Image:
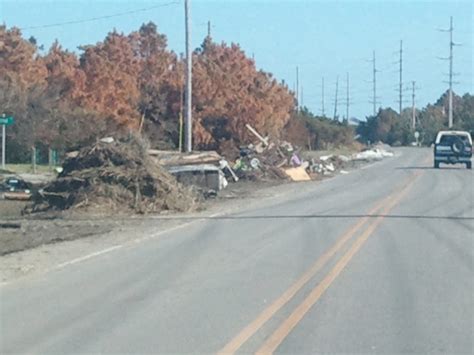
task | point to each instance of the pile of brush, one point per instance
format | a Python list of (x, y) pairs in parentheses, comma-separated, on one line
[(118, 176)]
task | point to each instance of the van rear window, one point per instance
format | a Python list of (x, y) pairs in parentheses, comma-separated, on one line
[(449, 139)]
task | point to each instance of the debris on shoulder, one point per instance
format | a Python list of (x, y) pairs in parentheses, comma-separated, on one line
[(115, 176)]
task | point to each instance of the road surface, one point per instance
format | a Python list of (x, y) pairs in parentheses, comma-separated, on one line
[(376, 261)]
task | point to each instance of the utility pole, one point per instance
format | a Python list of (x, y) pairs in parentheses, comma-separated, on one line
[(302, 97), (413, 109), (451, 74), (400, 90), (297, 90), (451, 45), (188, 92), (4, 145), (335, 101), (208, 29), (181, 105), (374, 84), (322, 100), (347, 97)]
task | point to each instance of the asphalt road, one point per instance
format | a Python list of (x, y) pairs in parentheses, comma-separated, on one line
[(376, 261)]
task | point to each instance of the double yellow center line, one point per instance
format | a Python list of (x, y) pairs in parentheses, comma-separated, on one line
[(271, 344)]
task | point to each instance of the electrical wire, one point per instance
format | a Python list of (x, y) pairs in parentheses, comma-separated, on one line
[(74, 22)]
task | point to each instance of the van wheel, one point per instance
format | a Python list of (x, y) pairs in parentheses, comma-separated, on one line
[(436, 164), (469, 165)]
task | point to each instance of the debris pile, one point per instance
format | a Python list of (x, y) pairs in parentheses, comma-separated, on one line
[(259, 162), (269, 160), (115, 176), (205, 171), (373, 154), (279, 160), (328, 164)]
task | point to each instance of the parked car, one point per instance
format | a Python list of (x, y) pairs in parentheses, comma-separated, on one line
[(13, 188), (453, 147)]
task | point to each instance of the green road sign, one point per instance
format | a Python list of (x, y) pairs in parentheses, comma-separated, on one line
[(7, 121)]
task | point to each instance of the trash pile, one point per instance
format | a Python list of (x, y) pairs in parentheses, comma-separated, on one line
[(268, 160), (328, 164), (259, 162), (115, 176), (279, 160), (264, 160), (206, 171)]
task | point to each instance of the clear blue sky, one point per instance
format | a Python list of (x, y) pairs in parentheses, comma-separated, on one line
[(323, 38)]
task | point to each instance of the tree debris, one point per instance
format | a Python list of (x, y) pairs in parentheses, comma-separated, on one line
[(116, 176)]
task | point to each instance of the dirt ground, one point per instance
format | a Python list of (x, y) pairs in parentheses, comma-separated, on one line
[(19, 232), (39, 242), (36, 248), (30, 231), (33, 233), (11, 209)]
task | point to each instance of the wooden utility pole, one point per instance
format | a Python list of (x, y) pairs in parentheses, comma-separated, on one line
[(347, 97), (188, 92), (181, 106), (322, 100), (451, 74), (4, 144), (297, 90), (451, 45), (302, 96), (335, 101), (374, 84), (413, 109), (208, 29), (400, 84)]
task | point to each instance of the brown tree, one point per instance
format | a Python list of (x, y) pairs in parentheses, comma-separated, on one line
[(229, 92), (111, 79), (160, 80), (19, 59), (64, 74)]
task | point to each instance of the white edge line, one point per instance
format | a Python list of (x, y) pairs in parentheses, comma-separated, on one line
[(108, 250), (136, 240), (82, 258)]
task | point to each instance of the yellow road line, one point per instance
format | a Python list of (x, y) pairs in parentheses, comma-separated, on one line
[(287, 326), (267, 313)]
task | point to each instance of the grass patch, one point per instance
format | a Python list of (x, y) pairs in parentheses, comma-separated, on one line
[(27, 168)]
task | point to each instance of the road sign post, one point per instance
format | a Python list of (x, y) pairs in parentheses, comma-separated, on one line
[(5, 121), (417, 136), (4, 138)]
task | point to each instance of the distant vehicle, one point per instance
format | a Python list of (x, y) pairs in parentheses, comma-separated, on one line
[(453, 147)]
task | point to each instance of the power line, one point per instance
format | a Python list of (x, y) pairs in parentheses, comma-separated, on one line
[(92, 19)]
